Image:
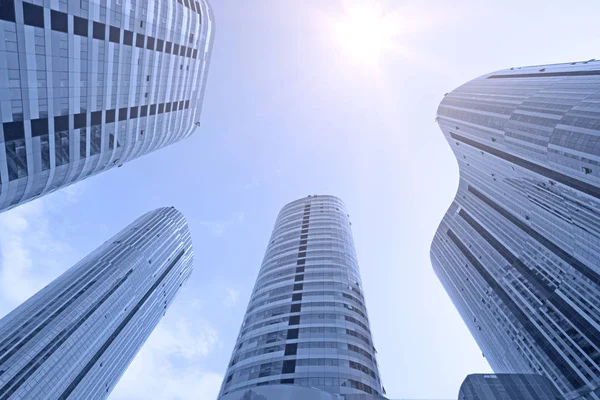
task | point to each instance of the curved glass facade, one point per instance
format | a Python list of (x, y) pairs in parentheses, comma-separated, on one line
[(518, 251), (90, 85), (77, 336), (306, 323)]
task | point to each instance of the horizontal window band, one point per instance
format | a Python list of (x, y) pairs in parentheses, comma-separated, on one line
[(545, 74)]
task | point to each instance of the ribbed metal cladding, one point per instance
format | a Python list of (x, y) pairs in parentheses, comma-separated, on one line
[(89, 85), (518, 251), (306, 323), (75, 338)]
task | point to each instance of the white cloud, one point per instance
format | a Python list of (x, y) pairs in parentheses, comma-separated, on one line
[(31, 255), (231, 297), (168, 367)]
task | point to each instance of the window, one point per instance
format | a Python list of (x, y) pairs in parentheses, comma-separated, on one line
[(122, 114), (127, 37), (114, 34), (291, 349), (182, 51), (299, 278), (153, 109), (61, 146), (189, 52), (7, 10), (96, 118), (292, 333), (161, 108), (80, 26), (299, 269), (99, 30), (79, 121), (174, 106), (175, 49), (195, 53), (32, 15), (289, 367), (159, 44), (13, 131), (168, 47), (150, 43), (187, 105), (133, 112), (168, 107), (587, 170), (39, 127), (139, 41), (297, 297), (110, 116), (295, 308), (143, 111), (60, 124), (59, 21), (298, 286)]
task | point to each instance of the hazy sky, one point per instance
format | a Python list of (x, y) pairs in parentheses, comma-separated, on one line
[(290, 110)]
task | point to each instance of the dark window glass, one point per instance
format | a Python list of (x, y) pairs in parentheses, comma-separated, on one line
[(168, 47), (80, 26), (298, 286), (193, 7), (161, 108), (82, 144), (175, 49), (16, 159), (181, 105), (168, 107), (139, 41), (187, 104), (150, 43), (127, 37), (7, 10), (133, 112), (186, 3), (182, 51), (153, 109), (289, 367), (189, 52), (294, 320), (144, 111), (195, 54), (292, 333), (159, 44), (174, 107), (299, 269), (297, 297), (287, 381), (13, 131), (299, 278), (39, 127), (95, 140), (110, 116), (301, 262), (33, 15), (122, 114), (79, 121), (295, 308), (303, 254), (114, 34), (99, 30), (291, 349), (59, 21), (61, 123), (61, 145), (96, 118)]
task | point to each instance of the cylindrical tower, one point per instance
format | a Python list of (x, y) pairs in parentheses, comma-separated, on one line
[(76, 337), (306, 323)]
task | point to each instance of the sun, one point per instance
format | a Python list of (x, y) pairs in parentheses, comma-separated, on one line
[(366, 32)]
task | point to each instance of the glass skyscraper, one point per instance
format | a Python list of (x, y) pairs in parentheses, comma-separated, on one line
[(519, 249), (508, 387), (86, 86), (75, 337), (306, 325)]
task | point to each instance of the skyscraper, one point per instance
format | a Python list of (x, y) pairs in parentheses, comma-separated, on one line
[(306, 324), (508, 387), (86, 86), (519, 249), (75, 337)]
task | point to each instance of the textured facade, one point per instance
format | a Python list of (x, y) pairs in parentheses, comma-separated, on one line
[(306, 323), (75, 337), (89, 85), (519, 249), (508, 387)]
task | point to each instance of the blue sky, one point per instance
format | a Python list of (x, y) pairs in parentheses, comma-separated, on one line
[(290, 112)]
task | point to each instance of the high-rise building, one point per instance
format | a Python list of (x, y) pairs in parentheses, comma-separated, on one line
[(75, 337), (519, 249), (306, 324), (508, 387), (86, 86)]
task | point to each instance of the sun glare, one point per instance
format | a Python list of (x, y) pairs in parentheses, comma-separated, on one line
[(366, 32)]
